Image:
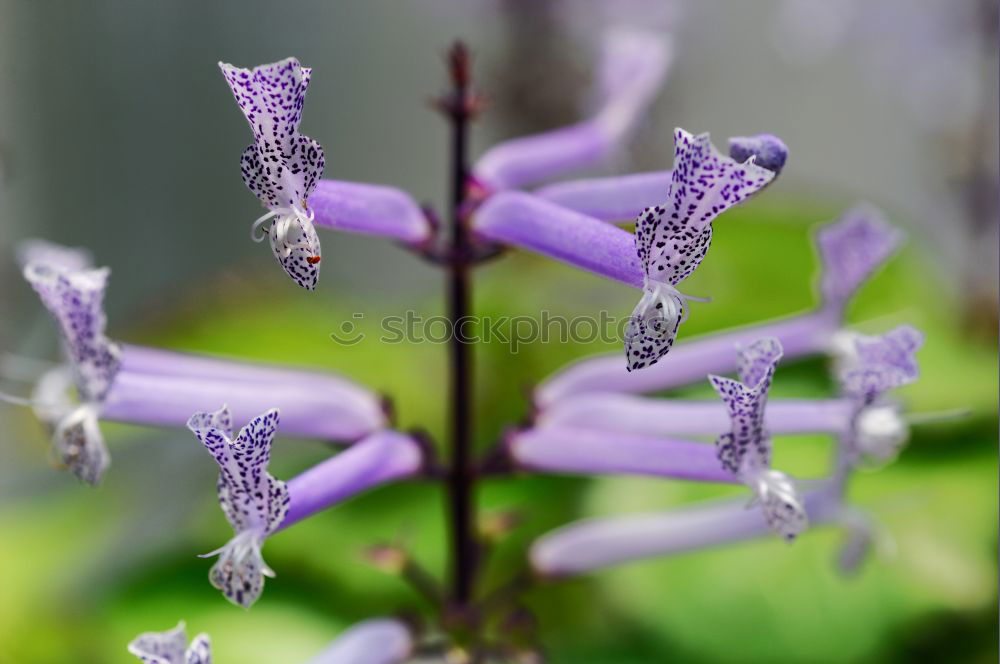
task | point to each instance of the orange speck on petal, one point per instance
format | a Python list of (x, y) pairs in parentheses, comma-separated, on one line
[(312, 260)]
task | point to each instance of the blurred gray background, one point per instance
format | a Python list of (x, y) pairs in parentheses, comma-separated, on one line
[(118, 133)]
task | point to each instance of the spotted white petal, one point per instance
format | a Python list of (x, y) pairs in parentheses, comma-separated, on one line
[(255, 502), (652, 327), (168, 647), (672, 239), (295, 245), (779, 501), (747, 445), (200, 650), (78, 445), (76, 300), (160, 647), (240, 570)]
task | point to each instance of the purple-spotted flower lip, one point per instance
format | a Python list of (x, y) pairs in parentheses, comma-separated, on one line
[(254, 502), (673, 238), (868, 367), (851, 249), (73, 292), (282, 166), (171, 647), (745, 451)]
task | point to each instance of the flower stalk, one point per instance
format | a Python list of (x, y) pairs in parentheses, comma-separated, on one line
[(458, 106)]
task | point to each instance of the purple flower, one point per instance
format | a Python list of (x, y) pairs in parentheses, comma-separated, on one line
[(373, 641), (672, 239), (254, 502), (171, 647), (157, 387), (745, 451), (624, 197), (634, 64), (74, 295), (868, 367), (851, 249), (281, 167)]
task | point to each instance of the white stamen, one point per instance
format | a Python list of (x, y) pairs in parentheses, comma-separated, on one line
[(671, 298), (283, 224), (17, 401), (260, 222)]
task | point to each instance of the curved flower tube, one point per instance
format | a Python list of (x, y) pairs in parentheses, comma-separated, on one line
[(851, 250), (379, 458), (634, 65), (617, 198), (369, 209), (594, 544), (522, 220), (374, 641), (311, 407), (281, 167), (585, 452), (624, 197), (625, 413), (171, 647)]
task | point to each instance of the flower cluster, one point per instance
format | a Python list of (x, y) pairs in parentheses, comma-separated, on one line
[(589, 417)]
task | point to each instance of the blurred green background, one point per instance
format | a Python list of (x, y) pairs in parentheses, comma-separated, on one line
[(83, 571)]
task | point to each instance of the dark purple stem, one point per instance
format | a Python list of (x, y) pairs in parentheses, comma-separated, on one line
[(461, 475)]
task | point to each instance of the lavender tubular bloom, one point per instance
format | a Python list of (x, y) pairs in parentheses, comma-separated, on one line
[(612, 198), (624, 197), (851, 249), (253, 500), (310, 406), (374, 641), (672, 417), (379, 458), (582, 451), (745, 450), (369, 209), (593, 544), (526, 221), (281, 167), (689, 361), (634, 64)]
